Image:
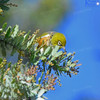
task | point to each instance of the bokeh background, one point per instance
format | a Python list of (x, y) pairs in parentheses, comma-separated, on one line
[(79, 20)]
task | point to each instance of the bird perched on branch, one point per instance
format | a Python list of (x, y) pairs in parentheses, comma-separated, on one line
[(52, 38)]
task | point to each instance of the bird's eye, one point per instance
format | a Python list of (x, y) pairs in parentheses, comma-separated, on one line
[(59, 43)]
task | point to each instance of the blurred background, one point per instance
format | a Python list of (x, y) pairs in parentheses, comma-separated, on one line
[(36, 14), (79, 21)]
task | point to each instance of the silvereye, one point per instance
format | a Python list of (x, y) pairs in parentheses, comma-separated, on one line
[(53, 38)]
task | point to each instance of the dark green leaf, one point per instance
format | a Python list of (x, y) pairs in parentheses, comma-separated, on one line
[(9, 64), (31, 41), (1, 60), (13, 51), (64, 63), (3, 49), (40, 78), (4, 7), (20, 40), (23, 47), (4, 1), (4, 26), (8, 32), (26, 36)]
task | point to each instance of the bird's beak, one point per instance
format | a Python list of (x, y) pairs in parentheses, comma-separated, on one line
[(64, 48)]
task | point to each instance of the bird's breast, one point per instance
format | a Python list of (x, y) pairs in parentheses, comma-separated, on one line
[(44, 40)]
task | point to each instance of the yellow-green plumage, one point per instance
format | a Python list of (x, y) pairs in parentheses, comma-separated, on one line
[(58, 39), (54, 38)]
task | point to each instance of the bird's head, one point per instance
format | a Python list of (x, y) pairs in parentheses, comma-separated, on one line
[(55, 39), (59, 40)]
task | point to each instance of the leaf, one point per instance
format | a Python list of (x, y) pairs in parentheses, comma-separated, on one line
[(8, 47), (1, 30), (25, 83), (1, 60), (69, 63), (8, 32), (54, 51), (53, 58), (28, 78), (9, 65), (13, 51), (58, 54), (4, 7), (41, 92), (67, 68), (4, 26), (34, 47), (43, 58), (4, 1), (3, 50), (44, 97), (26, 36), (40, 78), (40, 98), (15, 32), (47, 50), (64, 63), (69, 54), (15, 41), (19, 40), (36, 62), (35, 90), (73, 65), (30, 42), (5, 96), (23, 47)]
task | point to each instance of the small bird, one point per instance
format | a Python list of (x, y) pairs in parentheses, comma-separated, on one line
[(52, 38)]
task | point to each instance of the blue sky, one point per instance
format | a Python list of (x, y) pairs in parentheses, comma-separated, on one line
[(82, 30)]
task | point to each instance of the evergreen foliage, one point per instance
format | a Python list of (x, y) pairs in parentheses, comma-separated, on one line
[(41, 70), (20, 80), (4, 5)]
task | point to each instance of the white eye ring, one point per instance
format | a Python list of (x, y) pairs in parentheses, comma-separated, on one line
[(59, 43)]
